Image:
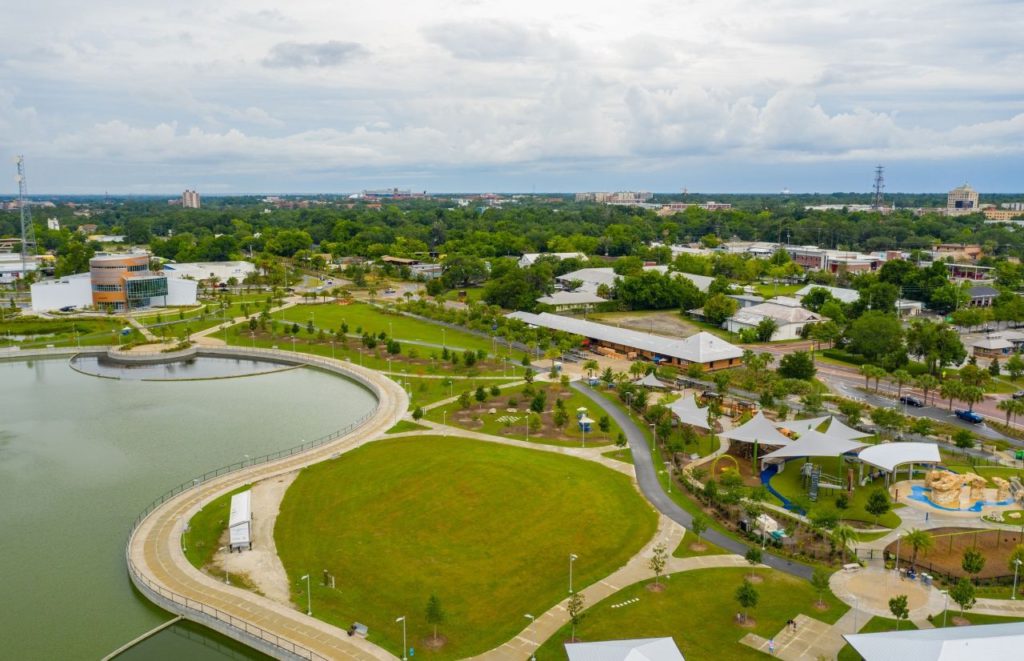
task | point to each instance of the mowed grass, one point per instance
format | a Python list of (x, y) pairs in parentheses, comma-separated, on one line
[(487, 528), (697, 609), (202, 539), (789, 483), (375, 320), (38, 333)]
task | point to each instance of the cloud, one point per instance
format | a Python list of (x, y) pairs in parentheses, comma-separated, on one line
[(290, 54), (493, 41)]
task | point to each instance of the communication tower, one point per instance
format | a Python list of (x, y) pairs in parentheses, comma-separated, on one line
[(876, 202), (28, 232)]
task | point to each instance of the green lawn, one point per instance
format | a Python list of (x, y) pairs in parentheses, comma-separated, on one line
[(624, 455), (684, 550), (973, 618), (37, 333), (473, 295), (375, 320), (487, 528), (478, 417), (404, 426), (697, 609), (988, 472), (202, 539), (874, 625), (789, 484), (773, 290)]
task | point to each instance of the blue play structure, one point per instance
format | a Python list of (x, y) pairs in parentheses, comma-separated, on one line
[(766, 476)]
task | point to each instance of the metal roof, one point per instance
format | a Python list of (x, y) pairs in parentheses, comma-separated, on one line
[(642, 649), (988, 641)]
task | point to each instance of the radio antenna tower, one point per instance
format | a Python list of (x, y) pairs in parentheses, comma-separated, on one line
[(876, 202), (28, 232)]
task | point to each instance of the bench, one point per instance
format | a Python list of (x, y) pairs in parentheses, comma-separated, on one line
[(851, 566), (358, 629)]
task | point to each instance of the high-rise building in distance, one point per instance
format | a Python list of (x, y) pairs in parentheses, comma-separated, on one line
[(190, 199), (961, 200)]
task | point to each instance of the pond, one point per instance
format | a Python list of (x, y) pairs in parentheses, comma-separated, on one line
[(81, 456), (205, 367)]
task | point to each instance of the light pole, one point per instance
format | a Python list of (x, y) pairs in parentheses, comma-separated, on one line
[(668, 472), (444, 337), (404, 644), (309, 598), (532, 619), (572, 558), (945, 608), (898, 540), (1016, 568)]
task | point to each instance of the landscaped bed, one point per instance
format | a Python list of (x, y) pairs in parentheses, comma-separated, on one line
[(950, 543), (698, 610), (487, 528)]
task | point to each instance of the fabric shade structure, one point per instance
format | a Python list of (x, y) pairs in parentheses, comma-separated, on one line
[(758, 429), (690, 413), (837, 429), (888, 456), (815, 444), (802, 426), (651, 381)]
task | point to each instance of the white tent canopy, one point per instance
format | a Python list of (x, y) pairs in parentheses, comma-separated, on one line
[(815, 444), (758, 429), (240, 521), (988, 641), (888, 456), (802, 426), (651, 381), (837, 429), (689, 412)]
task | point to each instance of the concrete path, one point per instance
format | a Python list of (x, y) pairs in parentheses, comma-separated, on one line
[(159, 568), (812, 639), (206, 337), (651, 488)]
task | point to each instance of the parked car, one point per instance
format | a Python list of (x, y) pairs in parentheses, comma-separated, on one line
[(71, 308), (910, 400), (1019, 394), (968, 416)]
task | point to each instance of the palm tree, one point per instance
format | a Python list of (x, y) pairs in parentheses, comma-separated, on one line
[(876, 373), (842, 535), (901, 377), (972, 395), (919, 540), (637, 369), (1009, 407), (927, 383), (866, 370), (950, 390), (591, 366)]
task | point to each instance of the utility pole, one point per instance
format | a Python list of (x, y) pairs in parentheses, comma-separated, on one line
[(28, 232)]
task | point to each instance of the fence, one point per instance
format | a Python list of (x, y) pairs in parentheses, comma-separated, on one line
[(215, 618)]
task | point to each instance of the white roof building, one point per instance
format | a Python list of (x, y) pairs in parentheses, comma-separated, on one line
[(561, 300), (204, 270), (240, 521), (789, 319), (988, 641), (888, 456), (702, 348), (642, 649), (841, 294)]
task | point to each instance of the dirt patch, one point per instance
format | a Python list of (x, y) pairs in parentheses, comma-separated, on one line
[(655, 587), (961, 621), (950, 543), (821, 607), (697, 547), (261, 567), (747, 623), (435, 642), (660, 323), (755, 578)]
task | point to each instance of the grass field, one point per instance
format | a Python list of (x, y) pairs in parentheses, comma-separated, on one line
[(478, 417), (375, 320), (169, 323), (487, 528), (789, 484), (404, 426), (772, 290), (36, 333), (684, 550), (973, 618), (988, 472), (697, 609), (624, 455), (875, 625)]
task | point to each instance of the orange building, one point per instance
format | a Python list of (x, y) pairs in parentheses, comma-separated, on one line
[(124, 282)]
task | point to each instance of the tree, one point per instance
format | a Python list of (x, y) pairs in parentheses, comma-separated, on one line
[(820, 582), (852, 410), (901, 377), (972, 562), (464, 400), (604, 424), (927, 383), (719, 307), (875, 335), (460, 270), (1016, 555), (1015, 366), (747, 597), (73, 257), (576, 607), (993, 367), (937, 343), (417, 414), (753, 556), (538, 402), (972, 395), (591, 366), (919, 540), (435, 614), (899, 609), (797, 365), (878, 503), (963, 594), (841, 537), (950, 389), (480, 395), (658, 560), (699, 525), (963, 439), (765, 329)]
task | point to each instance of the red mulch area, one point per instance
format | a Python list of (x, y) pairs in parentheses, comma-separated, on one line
[(950, 544)]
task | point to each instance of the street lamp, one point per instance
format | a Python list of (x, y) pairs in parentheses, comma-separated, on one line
[(1016, 568), (668, 472), (444, 337), (404, 645), (532, 619), (572, 558), (309, 598), (945, 608)]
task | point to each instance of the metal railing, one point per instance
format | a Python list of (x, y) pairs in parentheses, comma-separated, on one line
[(198, 610)]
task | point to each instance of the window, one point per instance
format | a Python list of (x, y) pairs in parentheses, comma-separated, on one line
[(96, 287)]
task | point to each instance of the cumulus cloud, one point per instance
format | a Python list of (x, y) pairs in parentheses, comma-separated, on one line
[(290, 54), (496, 40)]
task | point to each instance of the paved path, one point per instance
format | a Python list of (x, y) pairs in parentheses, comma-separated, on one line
[(206, 337), (159, 567), (648, 480)]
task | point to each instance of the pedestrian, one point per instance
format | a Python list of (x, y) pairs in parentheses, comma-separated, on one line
[(771, 647)]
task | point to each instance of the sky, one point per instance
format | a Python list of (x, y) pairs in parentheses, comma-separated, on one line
[(152, 97)]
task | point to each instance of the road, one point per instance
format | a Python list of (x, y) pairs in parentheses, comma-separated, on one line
[(647, 478)]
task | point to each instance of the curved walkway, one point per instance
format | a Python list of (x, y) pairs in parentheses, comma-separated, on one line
[(647, 478), (159, 569)]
